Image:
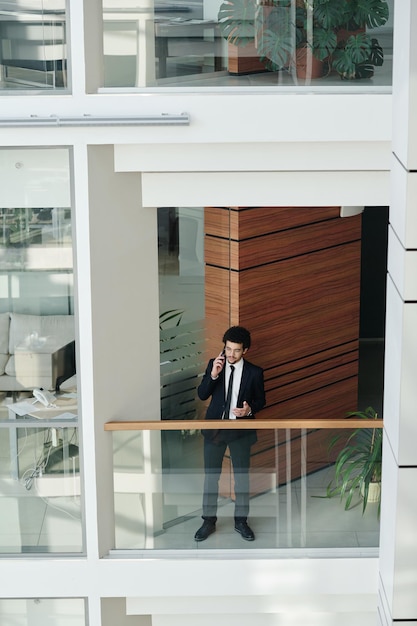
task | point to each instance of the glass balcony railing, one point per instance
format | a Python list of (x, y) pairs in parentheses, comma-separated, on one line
[(247, 43), (33, 51), (300, 494)]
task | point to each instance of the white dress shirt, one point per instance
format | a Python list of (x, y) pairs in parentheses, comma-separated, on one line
[(237, 377)]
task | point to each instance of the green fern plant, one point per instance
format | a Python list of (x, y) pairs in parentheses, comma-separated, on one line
[(358, 463)]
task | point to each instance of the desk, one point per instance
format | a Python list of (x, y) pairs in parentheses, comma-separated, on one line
[(64, 417)]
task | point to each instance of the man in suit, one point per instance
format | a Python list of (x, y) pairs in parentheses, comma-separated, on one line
[(236, 387)]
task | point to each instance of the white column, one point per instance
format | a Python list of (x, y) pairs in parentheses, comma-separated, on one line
[(125, 340), (398, 543)]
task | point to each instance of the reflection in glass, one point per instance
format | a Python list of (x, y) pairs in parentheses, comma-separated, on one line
[(33, 44), (182, 309), (40, 509), (57, 611), (247, 43), (36, 298), (39, 463), (160, 504)]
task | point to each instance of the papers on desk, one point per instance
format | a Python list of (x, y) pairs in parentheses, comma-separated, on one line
[(23, 408), (26, 407), (60, 416)]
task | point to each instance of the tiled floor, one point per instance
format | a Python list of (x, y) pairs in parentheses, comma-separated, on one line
[(295, 516)]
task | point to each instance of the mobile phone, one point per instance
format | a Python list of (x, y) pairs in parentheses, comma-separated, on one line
[(223, 352)]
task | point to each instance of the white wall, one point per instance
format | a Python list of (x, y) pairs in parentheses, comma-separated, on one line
[(398, 546)]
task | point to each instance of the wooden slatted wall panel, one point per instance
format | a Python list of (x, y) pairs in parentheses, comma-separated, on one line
[(292, 276)]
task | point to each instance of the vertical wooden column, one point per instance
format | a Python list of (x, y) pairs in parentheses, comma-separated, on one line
[(292, 277)]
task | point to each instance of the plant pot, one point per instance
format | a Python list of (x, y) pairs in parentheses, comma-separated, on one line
[(343, 34), (374, 492), (244, 59), (307, 65)]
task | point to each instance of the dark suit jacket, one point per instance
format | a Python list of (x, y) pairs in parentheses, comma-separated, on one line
[(251, 389)]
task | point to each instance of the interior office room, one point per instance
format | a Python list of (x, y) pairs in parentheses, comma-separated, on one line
[(153, 195)]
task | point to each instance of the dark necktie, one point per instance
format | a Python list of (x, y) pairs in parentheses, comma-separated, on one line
[(229, 394)]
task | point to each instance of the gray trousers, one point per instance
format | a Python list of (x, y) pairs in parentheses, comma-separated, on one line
[(213, 459)]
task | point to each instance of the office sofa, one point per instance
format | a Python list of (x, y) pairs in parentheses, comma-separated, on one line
[(36, 351)]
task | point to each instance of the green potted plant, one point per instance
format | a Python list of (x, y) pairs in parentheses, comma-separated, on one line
[(358, 464), (330, 31), (279, 27), (357, 52), (337, 32), (316, 38)]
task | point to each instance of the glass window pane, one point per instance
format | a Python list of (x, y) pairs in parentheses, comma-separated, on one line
[(57, 611), (33, 44), (295, 493), (182, 309), (187, 339), (244, 43), (39, 463)]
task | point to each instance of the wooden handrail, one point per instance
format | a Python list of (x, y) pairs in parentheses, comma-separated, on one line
[(249, 424)]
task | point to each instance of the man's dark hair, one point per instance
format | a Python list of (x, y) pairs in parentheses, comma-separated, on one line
[(238, 334)]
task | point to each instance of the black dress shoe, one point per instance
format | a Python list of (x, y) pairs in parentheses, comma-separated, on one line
[(244, 530), (205, 530)]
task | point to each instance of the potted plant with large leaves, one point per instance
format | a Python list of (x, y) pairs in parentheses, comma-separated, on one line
[(277, 28), (333, 31), (316, 38), (336, 32), (299, 34), (358, 52), (358, 463)]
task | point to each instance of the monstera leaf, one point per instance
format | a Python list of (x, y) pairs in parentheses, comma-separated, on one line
[(373, 13), (375, 59), (274, 51), (324, 43), (357, 50), (275, 36), (236, 21), (327, 14)]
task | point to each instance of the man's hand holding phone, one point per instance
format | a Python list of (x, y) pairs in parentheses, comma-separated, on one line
[(218, 365)]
